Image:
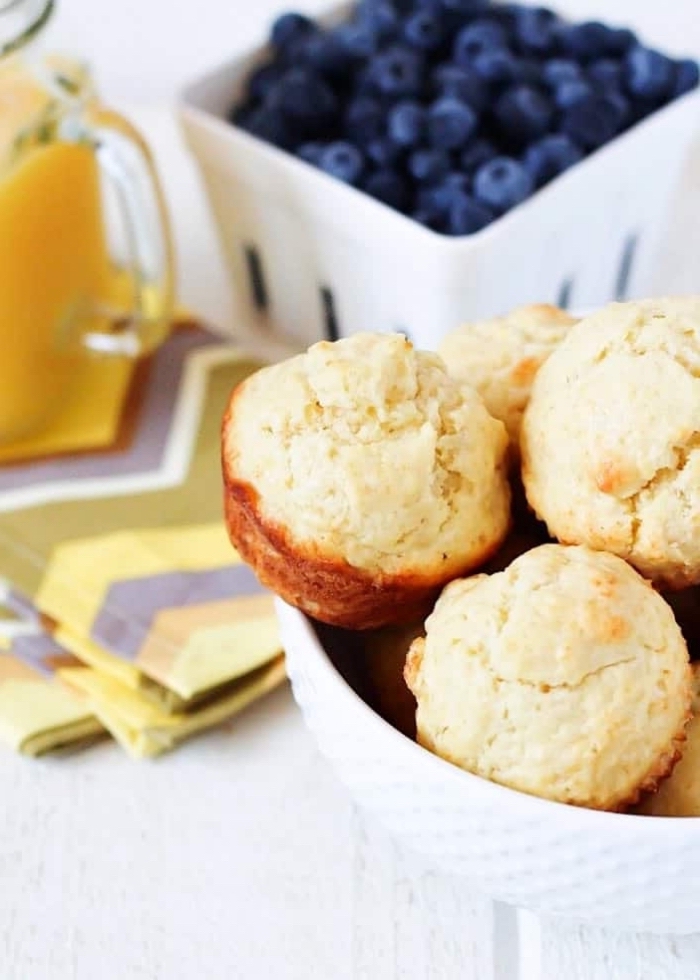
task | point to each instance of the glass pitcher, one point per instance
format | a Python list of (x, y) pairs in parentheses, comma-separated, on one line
[(62, 297)]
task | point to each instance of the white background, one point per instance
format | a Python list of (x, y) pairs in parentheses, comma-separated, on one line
[(240, 856)]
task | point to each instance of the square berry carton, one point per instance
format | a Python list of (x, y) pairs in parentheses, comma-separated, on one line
[(312, 256)]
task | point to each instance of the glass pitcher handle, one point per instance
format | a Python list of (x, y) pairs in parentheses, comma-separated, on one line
[(126, 162)]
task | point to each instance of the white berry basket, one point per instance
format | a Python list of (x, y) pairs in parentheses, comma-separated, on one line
[(615, 870), (311, 257)]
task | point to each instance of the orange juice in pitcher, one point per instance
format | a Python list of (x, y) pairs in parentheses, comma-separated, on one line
[(61, 298)]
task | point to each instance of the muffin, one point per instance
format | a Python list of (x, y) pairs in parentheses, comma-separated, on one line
[(679, 795), (565, 676), (360, 477), (500, 357), (383, 660), (611, 437)]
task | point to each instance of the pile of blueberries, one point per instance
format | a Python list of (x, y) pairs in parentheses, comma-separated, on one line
[(453, 111)]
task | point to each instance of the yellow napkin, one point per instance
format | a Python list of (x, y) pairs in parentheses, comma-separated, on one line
[(145, 730), (37, 714), (175, 606), (50, 700)]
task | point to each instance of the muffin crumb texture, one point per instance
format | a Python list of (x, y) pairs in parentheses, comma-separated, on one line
[(565, 676)]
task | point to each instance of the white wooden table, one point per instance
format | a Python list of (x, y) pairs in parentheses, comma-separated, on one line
[(240, 856)]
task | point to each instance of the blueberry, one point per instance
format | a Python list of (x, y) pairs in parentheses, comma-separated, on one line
[(560, 70), (242, 114), (389, 187), (439, 197), (451, 123), (502, 183), (466, 216), (429, 166), (569, 93), (433, 198), (342, 160), (364, 120), (327, 54), (310, 153), (269, 124), (398, 71), (528, 71), (649, 74), (477, 38), (262, 80), (380, 16), (462, 83), (406, 123), (620, 40), (551, 156), (523, 114), (623, 106), (478, 152), (289, 28), (594, 121), (429, 218), (466, 8), (455, 180), (357, 40), (496, 66), (424, 30), (687, 77), (640, 109), (536, 30), (588, 40), (506, 14), (364, 82), (383, 152), (306, 100), (606, 72)]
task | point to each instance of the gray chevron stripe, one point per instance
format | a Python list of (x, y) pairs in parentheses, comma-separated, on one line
[(130, 606)]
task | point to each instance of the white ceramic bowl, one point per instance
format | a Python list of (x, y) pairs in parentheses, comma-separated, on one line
[(298, 243), (615, 870)]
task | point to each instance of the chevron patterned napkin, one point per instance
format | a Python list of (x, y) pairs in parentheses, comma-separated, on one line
[(112, 527), (36, 713), (145, 730)]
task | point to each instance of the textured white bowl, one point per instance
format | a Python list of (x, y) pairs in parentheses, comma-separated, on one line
[(615, 870)]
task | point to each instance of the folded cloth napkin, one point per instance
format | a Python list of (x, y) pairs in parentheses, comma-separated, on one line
[(37, 713), (121, 547), (174, 606), (144, 729), (50, 701)]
